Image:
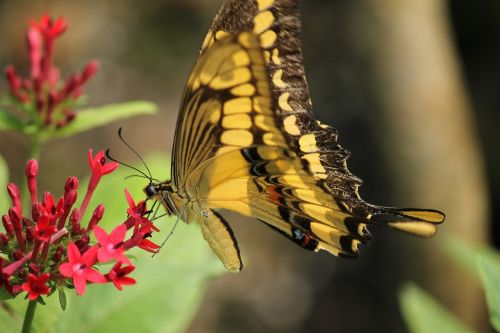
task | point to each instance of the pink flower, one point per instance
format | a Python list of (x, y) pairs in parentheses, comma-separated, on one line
[(118, 275), (79, 267), (36, 286), (112, 244)]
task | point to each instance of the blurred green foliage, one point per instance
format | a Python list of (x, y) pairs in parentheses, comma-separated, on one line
[(423, 314)]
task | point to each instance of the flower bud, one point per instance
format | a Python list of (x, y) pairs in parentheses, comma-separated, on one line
[(22, 274), (34, 269), (15, 217), (29, 235), (7, 224), (71, 184), (14, 194), (96, 217), (31, 171), (89, 71), (4, 239), (58, 253), (18, 254), (14, 80), (74, 219)]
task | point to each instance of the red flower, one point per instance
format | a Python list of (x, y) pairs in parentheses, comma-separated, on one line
[(139, 238), (50, 29), (79, 267), (118, 275), (112, 244), (136, 212), (44, 229), (49, 208), (99, 168), (35, 51), (98, 164), (36, 286)]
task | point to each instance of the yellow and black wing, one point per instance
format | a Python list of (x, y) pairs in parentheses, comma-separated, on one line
[(246, 141), (278, 25)]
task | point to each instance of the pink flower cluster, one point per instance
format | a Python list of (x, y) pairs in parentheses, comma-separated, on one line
[(51, 248), (42, 92)]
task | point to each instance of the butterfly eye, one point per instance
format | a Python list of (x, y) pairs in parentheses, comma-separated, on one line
[(150, 191)]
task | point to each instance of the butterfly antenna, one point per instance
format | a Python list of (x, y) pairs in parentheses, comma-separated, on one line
[(128, 166), (141, 176), (120, 135)]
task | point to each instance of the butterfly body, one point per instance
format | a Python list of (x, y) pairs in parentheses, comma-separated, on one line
[(246, 142)]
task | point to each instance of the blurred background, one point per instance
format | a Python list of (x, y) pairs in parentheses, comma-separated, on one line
[(413, 88)]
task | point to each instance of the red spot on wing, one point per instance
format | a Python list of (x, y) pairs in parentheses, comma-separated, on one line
[(273, 195)]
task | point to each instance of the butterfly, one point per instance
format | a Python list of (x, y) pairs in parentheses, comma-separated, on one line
[(246, 141)]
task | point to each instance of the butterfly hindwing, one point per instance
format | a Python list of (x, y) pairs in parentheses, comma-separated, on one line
[(220, 237)]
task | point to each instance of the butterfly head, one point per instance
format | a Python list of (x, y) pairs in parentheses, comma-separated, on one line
[(164, 193)]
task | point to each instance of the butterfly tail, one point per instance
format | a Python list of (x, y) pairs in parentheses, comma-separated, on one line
[(418, 222)]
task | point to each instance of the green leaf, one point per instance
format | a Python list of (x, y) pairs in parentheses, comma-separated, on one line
[(62, 298), (423, 314), (170, 286), (94, 117), (466, 254), (490, 275), (4, 179), (8, 122)]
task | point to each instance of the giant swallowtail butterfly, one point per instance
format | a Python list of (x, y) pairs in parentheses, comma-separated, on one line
[(246, 141)]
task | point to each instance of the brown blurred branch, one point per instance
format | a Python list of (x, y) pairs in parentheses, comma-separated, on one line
[(429, 131)]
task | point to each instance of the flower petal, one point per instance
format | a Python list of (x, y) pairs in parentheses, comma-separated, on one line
[(94, 276), (73, 253), (118, 234), (101, 235), (91, 159), (103, 255), (66, 269), (117, 284), (90, 256), (127, 281), (120, 257), (129, 198), (109, 167), (80, 284)]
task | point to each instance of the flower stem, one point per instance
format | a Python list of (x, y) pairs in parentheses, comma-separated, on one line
[(35, 147), (28, 317)]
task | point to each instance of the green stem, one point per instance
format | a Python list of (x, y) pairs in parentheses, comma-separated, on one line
[(35, 148), (28, 316)]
